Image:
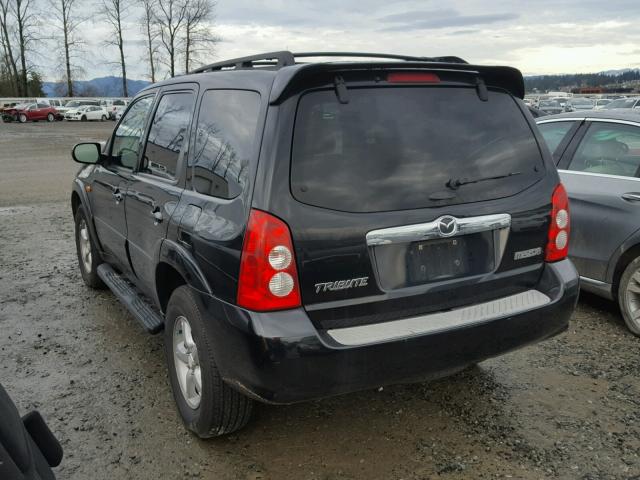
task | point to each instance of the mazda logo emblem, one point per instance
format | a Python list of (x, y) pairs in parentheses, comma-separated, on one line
[(447, 226)]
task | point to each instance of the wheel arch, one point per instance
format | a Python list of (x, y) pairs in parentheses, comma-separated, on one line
[(625, 254), (177, 267)]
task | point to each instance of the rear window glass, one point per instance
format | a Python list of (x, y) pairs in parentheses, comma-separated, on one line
[(398, 148)]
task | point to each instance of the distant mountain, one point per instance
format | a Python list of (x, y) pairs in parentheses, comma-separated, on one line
[(97, 87)]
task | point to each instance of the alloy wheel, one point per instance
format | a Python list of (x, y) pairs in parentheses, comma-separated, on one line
[(85, 246), (186, 362), (632, 297)]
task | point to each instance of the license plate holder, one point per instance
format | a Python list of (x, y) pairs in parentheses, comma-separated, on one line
[(447, 258)]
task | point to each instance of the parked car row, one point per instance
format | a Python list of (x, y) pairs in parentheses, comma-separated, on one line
[(551, 106), (54, 109)]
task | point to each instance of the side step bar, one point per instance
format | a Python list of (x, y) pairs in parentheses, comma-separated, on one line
[(150, 320)]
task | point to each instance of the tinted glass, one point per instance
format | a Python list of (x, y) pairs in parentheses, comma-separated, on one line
[(553, 133), (168, 135), (126, 140), (399, 148), (43, 105), (225, 140), (612, 149)]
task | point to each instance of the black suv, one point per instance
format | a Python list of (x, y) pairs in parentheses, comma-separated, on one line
[(302, 230)]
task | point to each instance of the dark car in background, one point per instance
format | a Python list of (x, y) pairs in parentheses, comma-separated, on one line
[(307, 229), (598, 157)]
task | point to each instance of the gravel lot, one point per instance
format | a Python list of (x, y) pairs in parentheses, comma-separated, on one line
[(568, 408)]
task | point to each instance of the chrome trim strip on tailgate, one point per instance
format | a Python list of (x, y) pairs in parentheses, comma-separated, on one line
[(440, 321), (430, 230)]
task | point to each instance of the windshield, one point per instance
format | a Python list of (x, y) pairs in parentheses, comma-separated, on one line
[(397, 148), (549, 103), (72, 103), (621, 103), (581, 101)]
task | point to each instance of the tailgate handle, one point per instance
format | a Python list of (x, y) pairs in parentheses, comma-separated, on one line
[(631, 196), (446, 226)]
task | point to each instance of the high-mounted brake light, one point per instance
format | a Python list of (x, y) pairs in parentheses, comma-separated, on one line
[(268, 277), (558, 238), (413, 77)]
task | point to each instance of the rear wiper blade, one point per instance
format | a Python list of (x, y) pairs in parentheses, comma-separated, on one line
[(454, 183)]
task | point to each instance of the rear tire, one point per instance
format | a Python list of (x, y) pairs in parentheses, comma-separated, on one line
[(103, 118), (211, 408), (22, 118), (629, 296), (50, 117), (88, 255)]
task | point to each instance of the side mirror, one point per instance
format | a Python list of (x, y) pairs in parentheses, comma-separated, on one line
[(86, 153)]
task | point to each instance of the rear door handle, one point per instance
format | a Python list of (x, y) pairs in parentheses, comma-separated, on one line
[(631, 196)]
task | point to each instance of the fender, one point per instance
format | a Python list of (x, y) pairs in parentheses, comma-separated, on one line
[(78, 187), (182, 260)]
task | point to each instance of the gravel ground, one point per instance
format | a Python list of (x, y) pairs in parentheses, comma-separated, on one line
[(567, 408)]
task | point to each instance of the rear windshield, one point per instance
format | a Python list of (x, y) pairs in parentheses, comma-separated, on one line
[(398, 148)]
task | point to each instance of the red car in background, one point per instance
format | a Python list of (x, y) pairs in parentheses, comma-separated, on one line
[(30, 112)]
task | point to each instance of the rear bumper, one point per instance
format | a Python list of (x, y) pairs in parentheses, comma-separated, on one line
[(281, 358)]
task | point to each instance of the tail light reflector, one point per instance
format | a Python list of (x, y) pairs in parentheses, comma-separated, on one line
[(268, 278), (559, 228)]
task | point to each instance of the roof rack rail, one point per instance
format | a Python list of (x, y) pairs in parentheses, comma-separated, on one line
[(276, 59), (391, 56), (285, 58)]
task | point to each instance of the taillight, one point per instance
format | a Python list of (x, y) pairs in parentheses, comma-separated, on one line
[(558, 239), (268, 277), (413, 77)]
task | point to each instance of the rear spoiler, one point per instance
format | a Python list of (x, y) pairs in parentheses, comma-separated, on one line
[(506, 78)]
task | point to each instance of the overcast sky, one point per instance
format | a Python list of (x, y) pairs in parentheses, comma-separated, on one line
[(537, 36)]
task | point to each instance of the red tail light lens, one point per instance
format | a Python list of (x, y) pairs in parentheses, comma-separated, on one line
[(268, 276), (558, 240), (413, 77)]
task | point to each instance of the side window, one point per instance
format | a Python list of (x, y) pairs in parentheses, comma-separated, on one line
[(553, 134), (126, 140), (168, 135), (609, 148), (225, 139)]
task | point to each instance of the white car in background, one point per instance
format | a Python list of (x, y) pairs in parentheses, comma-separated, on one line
[(87, 112)]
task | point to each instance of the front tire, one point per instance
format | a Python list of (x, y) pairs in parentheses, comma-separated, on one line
[(208, 406), (84, 118), (22, 118), (629, 296), (88, 255)]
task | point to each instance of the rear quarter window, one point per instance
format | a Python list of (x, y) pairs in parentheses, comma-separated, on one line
[(398, 148), (225, 142)]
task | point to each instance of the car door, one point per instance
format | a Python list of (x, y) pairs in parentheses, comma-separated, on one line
[(111, 179), (600, 171), (157, 185)]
